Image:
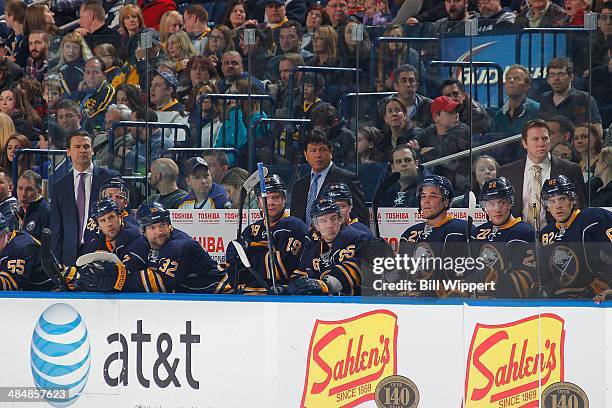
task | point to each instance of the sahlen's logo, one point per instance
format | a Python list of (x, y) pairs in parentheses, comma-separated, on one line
[(60, 354)]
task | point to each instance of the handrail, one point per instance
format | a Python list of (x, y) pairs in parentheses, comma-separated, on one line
[(377, 40), (268, 120), (478, 64), (346, 97)]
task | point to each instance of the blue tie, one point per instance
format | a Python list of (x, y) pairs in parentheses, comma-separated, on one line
[(312, 195)]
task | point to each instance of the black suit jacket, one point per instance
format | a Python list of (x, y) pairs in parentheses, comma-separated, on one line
[(65, 215), (514, 173), (301, 186)]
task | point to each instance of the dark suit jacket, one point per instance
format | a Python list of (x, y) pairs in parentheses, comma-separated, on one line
[(515, 170), (335, 175), (64, 213)]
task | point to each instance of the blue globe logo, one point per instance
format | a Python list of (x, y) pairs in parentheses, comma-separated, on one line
[(60, 353)]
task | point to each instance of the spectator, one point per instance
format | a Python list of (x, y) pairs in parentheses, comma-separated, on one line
[(92, 25), (179, 50), (117, 72), (601, 193), (36, 65), (456, 15), (7, 128), (73, 196), (159, 143), (15, 11), (312, 87), (398, 128), (541, 14), (347, 49), (444, 137), (290, 40), (7, 68), (563, 150), (392, 56), (33, 213), (132, 24), (233, 70), (494, 17), (217, 164), (71, 65), (130, 96), (261, 57), (479, 120), (33, 93), (232, 183), (153, 10), (162, 93), (518, 108), (171, 22), (52, 94), (199, 69), (406, 83), (375, 13), (204, 193), (235, 15), (575, 10), (38, 17), (527, 175), (601, 43), (564, 99), (291, 10), (485, 168), (318, 154), (211, 112), (404, 193), (68, 116), (276, 13), (220, 40), (588, 144), (314, 20), (369, 140), (27, 122), (164, 173), (560, 128), (602, 76), (324, 46), (195, 19), (281, 90), (7, 201), (96, 95), (122, 140), (14, 142), (337, 12), (326, 119)]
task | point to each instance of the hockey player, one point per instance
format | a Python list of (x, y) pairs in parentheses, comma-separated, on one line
[(32, 212), (19, 268), (289, 238), (330, 265), (576, 248), (112, 234), (165, 259), (504, 243), (340, 193), (441, 236)]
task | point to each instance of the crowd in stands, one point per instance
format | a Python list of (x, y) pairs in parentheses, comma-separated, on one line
[(84, 66)]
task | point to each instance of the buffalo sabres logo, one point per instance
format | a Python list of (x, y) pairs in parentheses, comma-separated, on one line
[(153, 210), (30, 227), (564, 265), (422, 253), (153, 255), (491, 257), (399, 199), (426, 231)]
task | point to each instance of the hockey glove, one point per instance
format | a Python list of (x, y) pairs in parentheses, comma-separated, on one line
[(308, 286), (231, 254), (101, 276)]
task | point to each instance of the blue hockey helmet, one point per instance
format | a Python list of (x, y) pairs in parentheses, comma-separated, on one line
[(497, 188), (274, 184), (338, 191), (149, 214), (115, 182), (104, 206), (443, 184), (324, 206), (559, 185)]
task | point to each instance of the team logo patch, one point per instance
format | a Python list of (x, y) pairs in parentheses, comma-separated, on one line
[(508, 363), (348, 358), (564, 265), (30, 227), (422, 252), (492, 258)]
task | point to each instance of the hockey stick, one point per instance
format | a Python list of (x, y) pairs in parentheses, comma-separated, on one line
[(247, 264), (264, 197), (378, 196), (49, 264)]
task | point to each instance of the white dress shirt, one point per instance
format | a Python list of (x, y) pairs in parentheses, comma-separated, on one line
[(529, 189), (321, 179), (88, 181)]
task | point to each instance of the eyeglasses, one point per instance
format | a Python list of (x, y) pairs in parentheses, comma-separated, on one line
[(557, 74)]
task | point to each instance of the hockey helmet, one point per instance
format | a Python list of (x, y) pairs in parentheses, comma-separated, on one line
[(104, 206), (149, 214), (338, 191), (324, 206), (274, 184), (115, 182), (444, 184), (559, 185), (497, 188)]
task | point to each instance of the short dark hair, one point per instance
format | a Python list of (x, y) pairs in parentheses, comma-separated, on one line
[(561, 63), (316, 136), (6, 174), (197, 10), (534, 123), (145, 115), (16, 8), (565, 125), (79, 132), (69, 104), (405, 68), (325, 114), (293, 24), (220, 155), (415, 155), (96, 9), (451, 82), (32, 176)]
